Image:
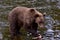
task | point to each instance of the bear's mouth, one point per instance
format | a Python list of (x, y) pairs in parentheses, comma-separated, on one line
[(41, 24)]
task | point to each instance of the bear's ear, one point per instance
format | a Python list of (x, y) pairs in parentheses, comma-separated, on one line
[(32, 10)]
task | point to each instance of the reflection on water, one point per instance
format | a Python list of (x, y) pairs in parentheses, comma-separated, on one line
[(50, 33), (57, 22), (2, 24), (49, 21)]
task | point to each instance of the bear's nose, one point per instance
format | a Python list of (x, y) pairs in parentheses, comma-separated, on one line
[(42, 20)]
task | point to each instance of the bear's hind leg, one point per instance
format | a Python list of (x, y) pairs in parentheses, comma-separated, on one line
[(14, 28)]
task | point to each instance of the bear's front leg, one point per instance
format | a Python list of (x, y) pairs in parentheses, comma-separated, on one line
[(36, 35)]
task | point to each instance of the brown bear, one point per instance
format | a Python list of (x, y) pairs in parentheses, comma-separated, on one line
[(29, 18)]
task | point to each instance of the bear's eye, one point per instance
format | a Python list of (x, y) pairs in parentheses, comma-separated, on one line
[(44, 15), (36, 15)]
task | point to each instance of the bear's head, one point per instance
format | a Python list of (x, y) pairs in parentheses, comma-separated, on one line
[(37, 17)]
